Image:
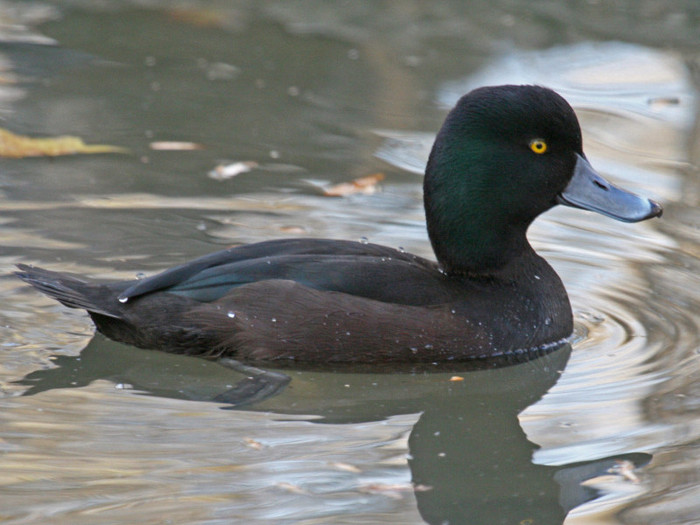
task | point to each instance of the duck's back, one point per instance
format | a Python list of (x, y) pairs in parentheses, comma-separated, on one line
[(324, 300)]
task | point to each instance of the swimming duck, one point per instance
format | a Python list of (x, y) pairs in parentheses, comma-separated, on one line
[(504, 155)]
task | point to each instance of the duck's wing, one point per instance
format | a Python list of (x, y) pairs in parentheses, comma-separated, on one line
[(363, 269), (381, 278)]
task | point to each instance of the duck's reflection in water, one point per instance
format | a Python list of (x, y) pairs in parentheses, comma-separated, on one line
[(470, 460)]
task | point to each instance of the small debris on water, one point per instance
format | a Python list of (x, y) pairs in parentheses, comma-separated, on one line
[(289, 487), (347, 467), (253, 443), (228, 171), (172, 145), (625, 468), (364, 185)]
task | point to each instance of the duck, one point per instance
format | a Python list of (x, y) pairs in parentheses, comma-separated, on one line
[(503, 156)]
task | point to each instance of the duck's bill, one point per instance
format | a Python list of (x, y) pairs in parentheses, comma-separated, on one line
[(589, 191)]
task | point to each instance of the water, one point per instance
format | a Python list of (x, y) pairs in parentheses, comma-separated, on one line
[(306, 95)]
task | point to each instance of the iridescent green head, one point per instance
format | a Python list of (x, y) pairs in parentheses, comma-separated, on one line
[(504, 155)]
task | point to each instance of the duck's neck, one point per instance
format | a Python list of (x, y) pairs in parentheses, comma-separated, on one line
[(474, 244), (471, 228)]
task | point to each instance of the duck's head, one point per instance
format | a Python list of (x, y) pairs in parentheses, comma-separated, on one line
[(504, 155)]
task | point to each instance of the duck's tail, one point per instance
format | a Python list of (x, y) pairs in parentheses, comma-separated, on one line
[(72, 291), (146, 322)]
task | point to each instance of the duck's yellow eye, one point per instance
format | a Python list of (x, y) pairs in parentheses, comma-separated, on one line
[(539, 146)]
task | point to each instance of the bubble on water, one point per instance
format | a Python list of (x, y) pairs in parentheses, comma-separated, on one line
[(364, 240), (123, 299), (140, 275), (231, 314)]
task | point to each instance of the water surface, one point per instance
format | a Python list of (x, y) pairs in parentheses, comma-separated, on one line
[(317, 93)]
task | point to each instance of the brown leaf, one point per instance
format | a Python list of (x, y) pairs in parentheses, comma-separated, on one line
[(366, 185), (19, 146), (253, 443)]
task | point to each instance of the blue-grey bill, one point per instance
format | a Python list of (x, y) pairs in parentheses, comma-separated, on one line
[(589, 191)]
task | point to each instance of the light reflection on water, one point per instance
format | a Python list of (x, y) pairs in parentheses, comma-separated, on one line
[(87, 446), (253, 464)]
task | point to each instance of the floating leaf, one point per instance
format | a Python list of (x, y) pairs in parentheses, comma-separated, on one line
[(197, 17), (171, 145), (253, 443), (393, 490), (347, 467), (394, 487), (19, 146), (290, 487), (294, 230), (365, 185)]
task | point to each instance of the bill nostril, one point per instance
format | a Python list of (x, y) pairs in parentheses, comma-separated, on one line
[(601, 185)]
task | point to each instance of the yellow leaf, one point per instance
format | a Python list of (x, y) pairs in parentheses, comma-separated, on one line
[(19, 146), (197, 17)]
